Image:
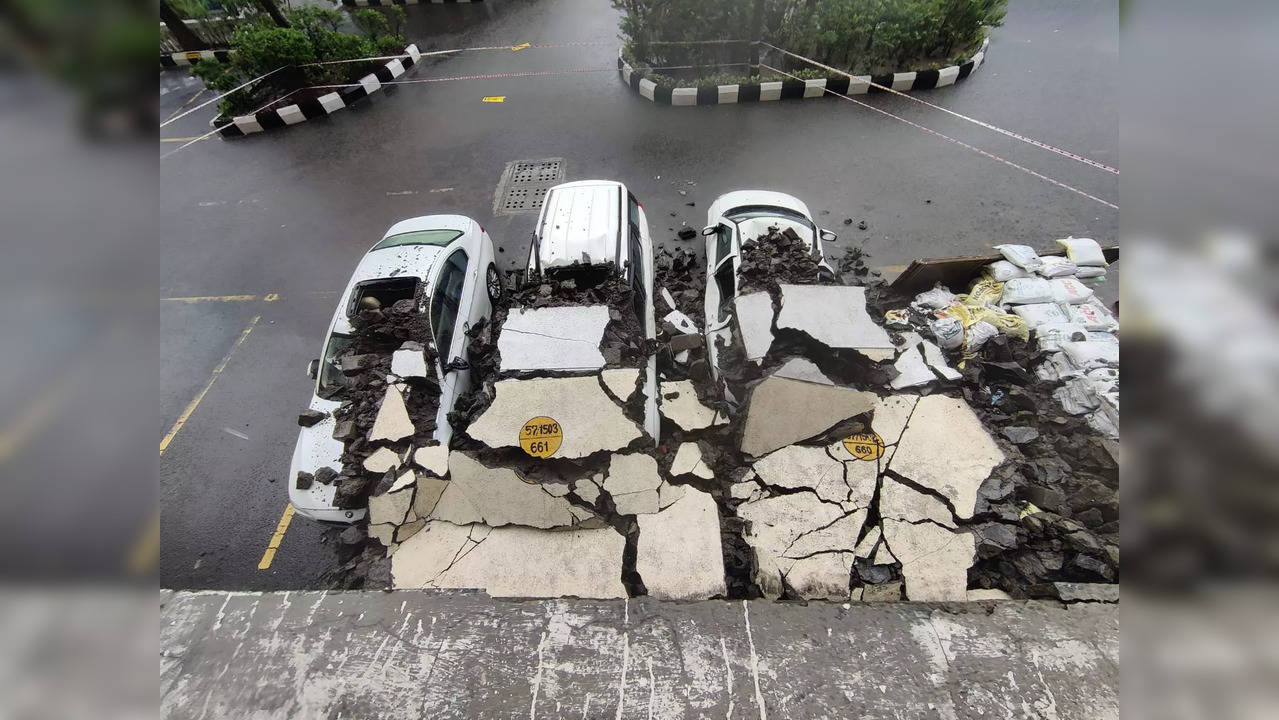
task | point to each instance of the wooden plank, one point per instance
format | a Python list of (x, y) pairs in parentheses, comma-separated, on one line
[(955, 272)]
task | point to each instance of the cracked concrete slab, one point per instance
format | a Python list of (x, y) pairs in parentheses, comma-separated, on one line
[(834, 315), (668, 494), (392, 422), (632, 482), (798, 368), (620, 382), (911, 370), (679, 555), (934, 560), (784, 411), (406, 478), (776, 523), (840, 535), (384, 533), (512, 561), (937, 361), (891, 414), (899, 502), (821, 576), (390, 508), (945, 448), (685, 410), (688, 461), (553, 338), (497, 496), (587, 489), (409, 362), (589, 420), (755, 318), (867, 544), (433, 459), (427, 496), (381, 460), (804, 467)]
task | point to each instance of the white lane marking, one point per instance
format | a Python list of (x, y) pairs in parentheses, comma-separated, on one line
[(537, 679), (759, 697), (587, 706), (728, 679), (236, 433), (621, 686), (440, 190), (652, 687), (403, 192)]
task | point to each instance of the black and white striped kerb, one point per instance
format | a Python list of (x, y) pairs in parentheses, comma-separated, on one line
[(312, 108), (182, 59), (797, 89), (380, 3)]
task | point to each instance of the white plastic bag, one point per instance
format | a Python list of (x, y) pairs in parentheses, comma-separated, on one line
[(948, 330), (1050, 336), (1093, 315), (1099, 336), (1083, 251), (1056, 367), (1069, 290), (977, 335), (1088, 271), (1023, 256), (1003, 271), (1055, 266), (935, 299), (1041, 314), (1088, 355), (1076, 396), (1024, 291)]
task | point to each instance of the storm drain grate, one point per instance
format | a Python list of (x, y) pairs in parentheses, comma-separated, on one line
[(524, 184)]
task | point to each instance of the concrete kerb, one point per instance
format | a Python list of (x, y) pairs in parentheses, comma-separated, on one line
[(328, 104), (186, 59), (797, 89)]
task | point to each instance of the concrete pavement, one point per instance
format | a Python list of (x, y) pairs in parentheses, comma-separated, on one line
[(412, 654)]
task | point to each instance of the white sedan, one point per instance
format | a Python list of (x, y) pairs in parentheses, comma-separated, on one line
[(735, 218), (445, 263)]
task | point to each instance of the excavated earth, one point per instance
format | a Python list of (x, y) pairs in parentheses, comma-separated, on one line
[(791, 471)]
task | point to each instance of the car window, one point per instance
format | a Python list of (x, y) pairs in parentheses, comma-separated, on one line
[(726, 280), (638, 294), (632, 206), (420, 237), (723, 242), (445, 300), (331, 377)]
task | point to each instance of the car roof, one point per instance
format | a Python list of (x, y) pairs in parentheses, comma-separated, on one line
[(580, 223), (743, 198)]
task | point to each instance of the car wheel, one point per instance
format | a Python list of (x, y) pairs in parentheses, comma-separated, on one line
[(493, 282)]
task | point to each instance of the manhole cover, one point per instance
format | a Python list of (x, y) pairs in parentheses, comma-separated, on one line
[(524, 184)]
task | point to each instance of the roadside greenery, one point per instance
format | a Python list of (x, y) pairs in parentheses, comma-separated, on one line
[(315, 35), (858, 36)]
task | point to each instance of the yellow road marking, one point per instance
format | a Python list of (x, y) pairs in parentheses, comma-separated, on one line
[(146, 549), (213, 298), (521, 46), (277, 538), (494, 99), (190, 408), (271, 297), (182, 139), (188, 102), (33, 418)]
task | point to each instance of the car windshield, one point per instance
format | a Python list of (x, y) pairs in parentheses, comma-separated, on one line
[(420, 237), (752, 212), (331, 377)]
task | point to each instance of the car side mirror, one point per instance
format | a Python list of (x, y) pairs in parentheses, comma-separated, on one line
[(710, 230), (313, 369), (828, 236)]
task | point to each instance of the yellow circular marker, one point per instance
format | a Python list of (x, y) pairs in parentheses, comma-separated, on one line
[(865, 445), (541, 436)]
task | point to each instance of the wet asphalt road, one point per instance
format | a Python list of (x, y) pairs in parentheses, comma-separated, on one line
[(285, 215)]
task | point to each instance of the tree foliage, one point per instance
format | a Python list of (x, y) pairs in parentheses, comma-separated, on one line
[(861, 36)]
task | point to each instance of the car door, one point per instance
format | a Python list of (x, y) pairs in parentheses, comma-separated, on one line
[(450, 305)]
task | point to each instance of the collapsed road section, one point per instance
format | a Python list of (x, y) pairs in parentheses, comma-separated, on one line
[(824, 440)]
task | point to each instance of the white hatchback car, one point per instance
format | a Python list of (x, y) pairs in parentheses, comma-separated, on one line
[(448, 262), (735, 218), (592, 222)]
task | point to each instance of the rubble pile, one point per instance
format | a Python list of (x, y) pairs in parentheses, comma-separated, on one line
[(774, 258)]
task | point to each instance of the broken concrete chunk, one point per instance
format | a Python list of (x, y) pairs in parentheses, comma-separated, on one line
[(587, 490), (429, 490), (326, 475), (911, 370), (890, 417), (356, 364), (802, 369), (384, 534), (987, 594), (620, 382), (900, 502), (934, 560), (667, 494), (553, 338), (834, 315), (381, 460), (679, 554), (403, 480), (688, 461), (945, 448), (745, 490), (883, 556), (408, 363), (631, 473), (408, 530), (825, 575), (933, 356), (774, 526), (886, 592), (497, 496), (1077, 592), (784, 411), (304, 480), (512, 561), (309, 417), (589, 420), (803, 467), (755, 319), (345, 430), (840, 535), (685, 410), (392, 422), (390, 508), (681, 322), (867, 544), (434, 459)]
